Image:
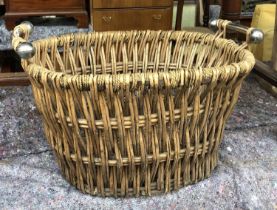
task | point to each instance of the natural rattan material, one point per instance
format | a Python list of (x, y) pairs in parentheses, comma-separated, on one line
[(136, 113)]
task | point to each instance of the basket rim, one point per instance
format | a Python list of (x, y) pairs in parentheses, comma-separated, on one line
[(173, 78)]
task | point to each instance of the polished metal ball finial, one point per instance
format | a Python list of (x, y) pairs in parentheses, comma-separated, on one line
[(25, 50), (256, 36), (29, 25), (213, 25)]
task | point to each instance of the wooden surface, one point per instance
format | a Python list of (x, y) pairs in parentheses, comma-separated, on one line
[(266, 72), (246, 20), (131, 19), (14, 79), (130, 3), (44, 5), (131, 14), (18, 10), (231, 10)]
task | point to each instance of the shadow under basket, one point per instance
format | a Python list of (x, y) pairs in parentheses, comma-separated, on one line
[(136, 113)]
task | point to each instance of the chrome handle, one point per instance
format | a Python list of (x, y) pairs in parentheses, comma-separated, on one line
[(23, 30), (256, 36), (20, 34)]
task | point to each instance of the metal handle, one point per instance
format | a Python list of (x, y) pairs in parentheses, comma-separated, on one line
[(107, 19), (20, 35), (256, 36), (157, 17)]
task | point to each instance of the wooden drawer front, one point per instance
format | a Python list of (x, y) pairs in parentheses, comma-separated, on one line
[(44, 5), (132, 19), (130, 3)]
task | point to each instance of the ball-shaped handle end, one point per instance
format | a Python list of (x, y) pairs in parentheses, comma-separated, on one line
[(256, 36), (25, 50), (29, 25), (213, 25)]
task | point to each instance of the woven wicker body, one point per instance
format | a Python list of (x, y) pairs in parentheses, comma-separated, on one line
[(136, 113)]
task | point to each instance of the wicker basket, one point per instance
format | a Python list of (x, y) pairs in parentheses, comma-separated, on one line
[(135, 113)]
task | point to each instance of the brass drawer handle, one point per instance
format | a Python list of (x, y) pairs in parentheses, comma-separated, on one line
[(107, 19), (157, 17)]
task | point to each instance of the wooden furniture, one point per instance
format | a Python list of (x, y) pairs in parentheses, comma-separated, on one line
[(10, 60), (231, 10), (17, 10), (131, 14), (14, 79)]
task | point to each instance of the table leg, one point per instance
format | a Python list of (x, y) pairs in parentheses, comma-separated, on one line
[(179, 14)]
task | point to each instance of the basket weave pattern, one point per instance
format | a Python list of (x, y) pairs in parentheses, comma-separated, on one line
[(136, 113)]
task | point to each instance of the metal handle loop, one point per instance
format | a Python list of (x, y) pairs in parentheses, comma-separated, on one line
[(20, 35), (253, 35)]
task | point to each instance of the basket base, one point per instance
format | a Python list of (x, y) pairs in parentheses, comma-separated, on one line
[(193, 173)]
